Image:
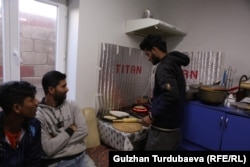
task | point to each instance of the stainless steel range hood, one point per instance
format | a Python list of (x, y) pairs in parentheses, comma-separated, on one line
[(147, 26)]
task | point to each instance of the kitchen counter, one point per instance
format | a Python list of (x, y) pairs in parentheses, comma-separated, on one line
[(217, 128), (222, 108)]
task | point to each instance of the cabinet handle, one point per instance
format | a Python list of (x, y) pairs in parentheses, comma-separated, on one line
[(226, 122), (221, 121)]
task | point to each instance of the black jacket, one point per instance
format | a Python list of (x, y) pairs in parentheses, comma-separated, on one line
[(169, 91), (28, 153)]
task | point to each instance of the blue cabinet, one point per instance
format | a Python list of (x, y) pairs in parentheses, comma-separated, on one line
[(236, 133), (215, 128)]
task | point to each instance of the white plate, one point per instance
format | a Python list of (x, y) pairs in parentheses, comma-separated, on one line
[(119, 113)]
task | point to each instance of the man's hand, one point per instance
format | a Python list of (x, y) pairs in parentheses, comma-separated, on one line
[(74, 127), (146, 121)]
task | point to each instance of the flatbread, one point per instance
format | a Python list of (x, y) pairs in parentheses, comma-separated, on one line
[(139, 107), (127, 127), (109, 117)]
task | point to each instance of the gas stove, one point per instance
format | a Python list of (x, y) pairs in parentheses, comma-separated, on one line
[(134, 113)]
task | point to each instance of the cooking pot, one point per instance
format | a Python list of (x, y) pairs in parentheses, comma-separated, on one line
[(241, 92), (191, 94), (195, 87), (212, 94)]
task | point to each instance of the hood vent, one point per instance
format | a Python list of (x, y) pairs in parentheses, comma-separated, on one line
[(146, 26)]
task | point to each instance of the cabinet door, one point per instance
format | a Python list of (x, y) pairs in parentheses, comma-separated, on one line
[(236, 134), (203, 126)]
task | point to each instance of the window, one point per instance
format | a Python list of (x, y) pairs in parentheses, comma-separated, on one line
[(1, 45), (33, 40)]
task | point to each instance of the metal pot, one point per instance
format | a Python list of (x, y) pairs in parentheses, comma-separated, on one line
[(191, 94), (195, 87), (212, 94), (241, 93)]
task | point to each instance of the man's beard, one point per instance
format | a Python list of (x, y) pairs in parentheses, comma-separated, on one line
[(155, 60), (60, 98)]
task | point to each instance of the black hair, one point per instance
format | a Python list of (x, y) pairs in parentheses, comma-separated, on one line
[(14, 92), (151, 41), (52, 79)]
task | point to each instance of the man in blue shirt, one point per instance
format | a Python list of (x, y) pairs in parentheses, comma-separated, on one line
[(20, 131)]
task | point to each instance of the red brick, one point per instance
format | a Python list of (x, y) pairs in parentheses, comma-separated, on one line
[(27, 71)]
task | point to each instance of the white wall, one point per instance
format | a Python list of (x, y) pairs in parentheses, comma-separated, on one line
[(101, 21), (213, 25), (72, 47)]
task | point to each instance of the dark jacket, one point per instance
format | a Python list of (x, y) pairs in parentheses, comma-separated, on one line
[(169, 91), (28, 153)]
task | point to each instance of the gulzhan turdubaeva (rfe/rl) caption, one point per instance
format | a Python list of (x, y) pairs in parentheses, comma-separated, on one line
[(179, 158)]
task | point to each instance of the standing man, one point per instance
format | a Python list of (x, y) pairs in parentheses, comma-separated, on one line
[(165, 116), (63, 125), (20, 132)]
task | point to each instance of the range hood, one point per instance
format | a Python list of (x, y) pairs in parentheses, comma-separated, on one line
[(147, 26)]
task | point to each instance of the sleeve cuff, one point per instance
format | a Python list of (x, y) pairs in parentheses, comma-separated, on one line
[(150, 116)]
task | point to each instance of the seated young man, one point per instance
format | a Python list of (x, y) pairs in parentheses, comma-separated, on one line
[(63, 125), (20, 132)]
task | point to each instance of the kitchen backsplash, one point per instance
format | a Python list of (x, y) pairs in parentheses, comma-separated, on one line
[(125, 74), (205, 67)]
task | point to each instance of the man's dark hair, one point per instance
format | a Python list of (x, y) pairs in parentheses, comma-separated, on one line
[(14, 92), (52, 79), (153, 41)]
